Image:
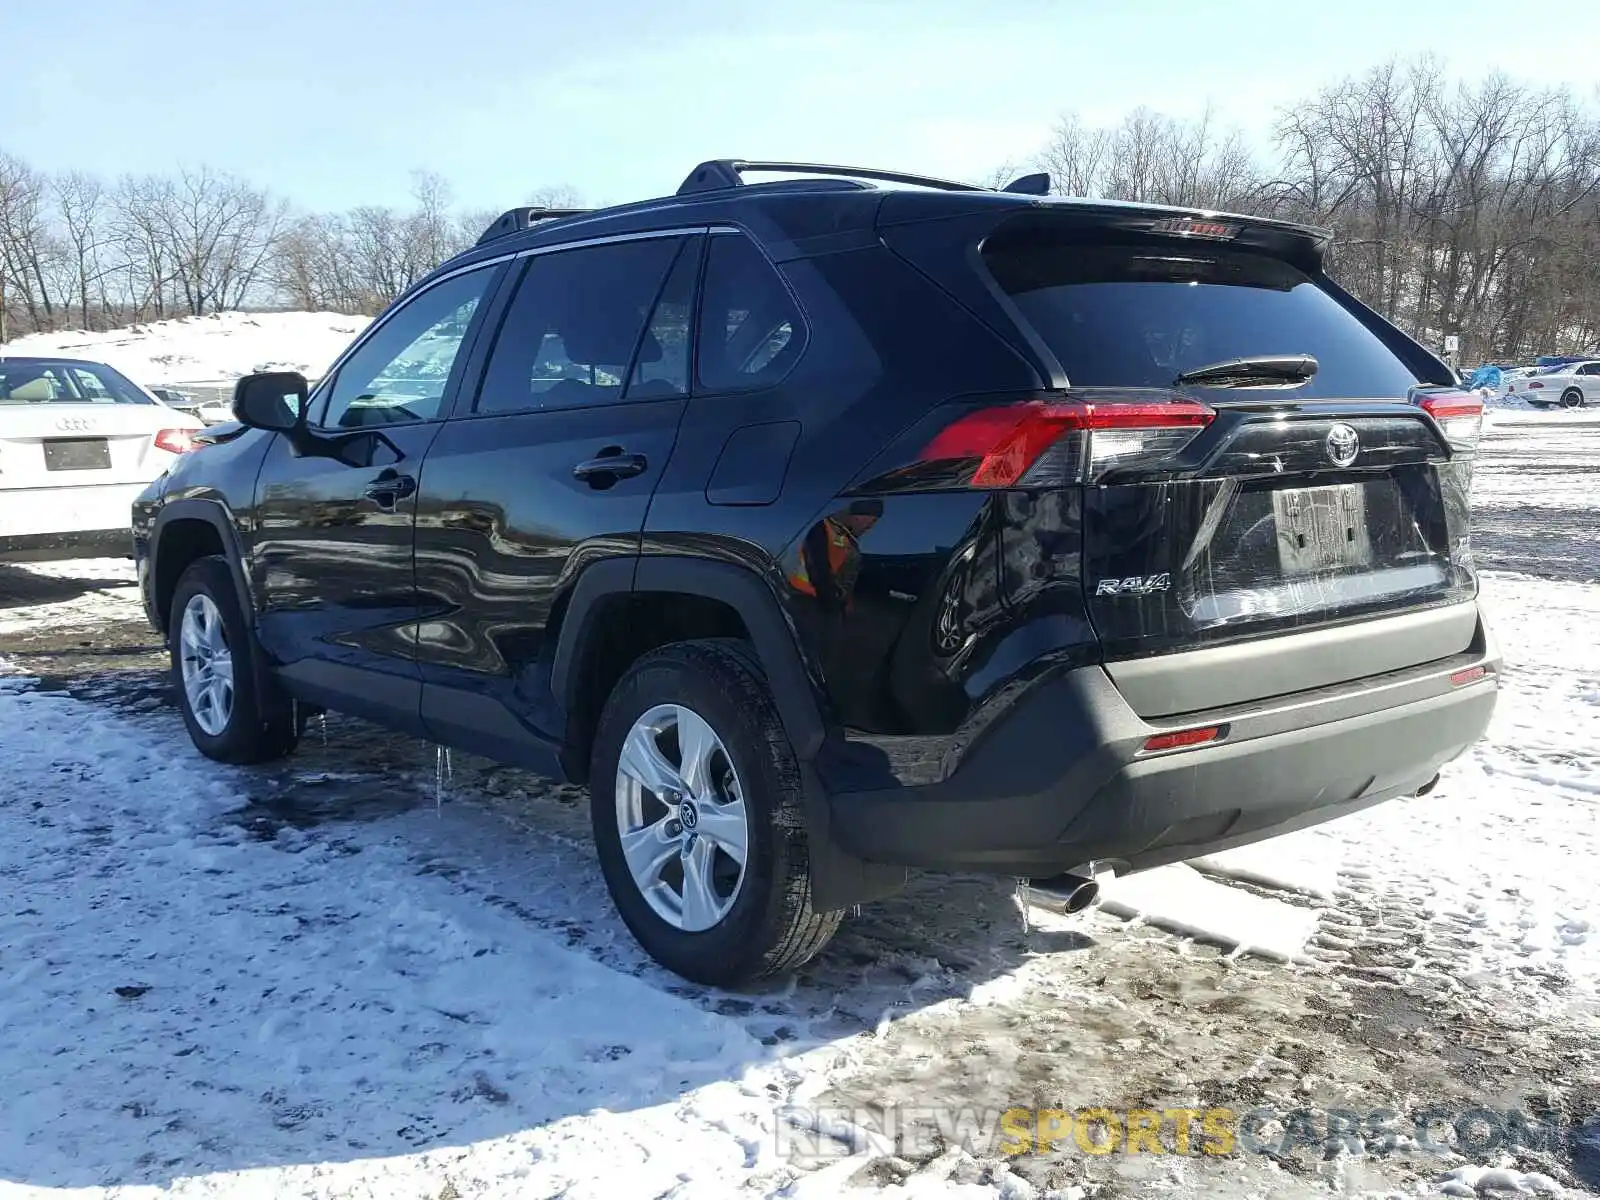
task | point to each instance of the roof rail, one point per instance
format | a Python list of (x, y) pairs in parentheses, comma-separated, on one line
[(515, 220), (722, 173)]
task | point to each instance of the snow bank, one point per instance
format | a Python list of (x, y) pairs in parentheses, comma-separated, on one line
[(215, 348)]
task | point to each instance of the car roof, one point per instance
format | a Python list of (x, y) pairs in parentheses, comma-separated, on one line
[(786, 214), (52, 358)]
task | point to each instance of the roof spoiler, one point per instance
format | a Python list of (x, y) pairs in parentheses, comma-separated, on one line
[(720, 173), (515, 220)]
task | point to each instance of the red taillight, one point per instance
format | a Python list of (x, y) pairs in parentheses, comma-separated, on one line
[(1460, 416), (1534, 384), (1029, 443), (1187, 737), (1470, 675), (175, 441), (1006, 440)]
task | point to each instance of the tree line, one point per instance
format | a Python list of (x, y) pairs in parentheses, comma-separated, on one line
[(1465, 208), (1469, 208)]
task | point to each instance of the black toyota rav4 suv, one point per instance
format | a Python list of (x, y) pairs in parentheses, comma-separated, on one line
[(828, 530)]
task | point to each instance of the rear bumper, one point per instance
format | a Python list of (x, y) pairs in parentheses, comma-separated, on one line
[(1064, 780), (83, 543)]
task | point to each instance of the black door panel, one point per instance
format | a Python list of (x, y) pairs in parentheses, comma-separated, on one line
[(330, 552), (504, 527), (574, 422), (331, 565)]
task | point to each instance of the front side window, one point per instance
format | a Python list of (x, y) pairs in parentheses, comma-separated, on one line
[(37, 381), (571, 332), (401, 372), (750, 329)]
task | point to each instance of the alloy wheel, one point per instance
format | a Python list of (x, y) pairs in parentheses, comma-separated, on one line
[(207, 664), (682, 819)]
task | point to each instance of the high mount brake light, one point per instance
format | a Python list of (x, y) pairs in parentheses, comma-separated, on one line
[(1218, 231), (1047, 443), (1460, 416)]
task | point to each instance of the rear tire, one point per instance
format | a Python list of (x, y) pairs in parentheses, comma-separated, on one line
[(213, 672), (1572, 398), (755, 918)]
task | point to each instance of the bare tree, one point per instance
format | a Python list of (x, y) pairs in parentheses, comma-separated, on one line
[(80, 206), (26, 244), (1152, 159), (1076, 158), (1459, 208), (219, 232), (1467, 209)]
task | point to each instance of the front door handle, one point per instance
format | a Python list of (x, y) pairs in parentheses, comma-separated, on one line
[(608, 468), (389, 488)]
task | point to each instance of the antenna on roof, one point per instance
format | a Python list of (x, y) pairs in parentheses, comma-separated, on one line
[(1030, 185), (515, 220), (720, 173)]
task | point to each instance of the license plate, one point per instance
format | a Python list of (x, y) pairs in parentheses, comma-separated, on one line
[(1322, 529), (77, 454)]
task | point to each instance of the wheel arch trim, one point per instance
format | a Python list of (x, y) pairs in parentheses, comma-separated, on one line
[(217, 515), (774, 639), (213, 513)]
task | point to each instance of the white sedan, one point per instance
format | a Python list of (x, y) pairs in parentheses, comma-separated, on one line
[(1571, 385), (78, 442)]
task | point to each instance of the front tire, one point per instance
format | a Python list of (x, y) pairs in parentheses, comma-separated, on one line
[(1572, 398), (213, 672), (699, 820)]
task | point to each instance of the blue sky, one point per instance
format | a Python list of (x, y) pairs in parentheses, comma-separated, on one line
[(333, 102)]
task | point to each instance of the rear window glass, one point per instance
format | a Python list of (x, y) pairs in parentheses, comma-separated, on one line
[(42, 381), (1138, 316), (750, 330)]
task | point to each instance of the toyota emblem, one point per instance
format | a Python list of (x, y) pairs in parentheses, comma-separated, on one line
[(75, 424), (1343, 445)]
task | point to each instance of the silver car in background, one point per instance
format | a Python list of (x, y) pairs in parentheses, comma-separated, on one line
[(1571, 385)]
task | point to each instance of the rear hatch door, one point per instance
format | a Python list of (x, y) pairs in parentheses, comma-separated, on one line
[(1336, 498), (1301, 503)]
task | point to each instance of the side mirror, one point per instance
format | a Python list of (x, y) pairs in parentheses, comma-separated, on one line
[(274, 400)]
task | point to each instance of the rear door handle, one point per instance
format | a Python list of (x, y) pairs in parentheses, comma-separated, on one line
[(611, 467), (389, 488)]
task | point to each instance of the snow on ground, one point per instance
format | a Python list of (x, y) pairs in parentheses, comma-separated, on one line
[(330, 978), (215, 348), (172, 992), (1182, 900)]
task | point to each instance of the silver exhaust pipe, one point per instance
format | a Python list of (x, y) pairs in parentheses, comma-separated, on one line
[(1065, 893)]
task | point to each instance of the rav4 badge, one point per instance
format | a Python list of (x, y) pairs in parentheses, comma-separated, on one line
[(1134, 585)]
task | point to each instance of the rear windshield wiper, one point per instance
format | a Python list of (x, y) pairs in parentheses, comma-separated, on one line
[(1266, 371)]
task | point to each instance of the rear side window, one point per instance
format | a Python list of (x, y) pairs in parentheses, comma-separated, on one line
[(572, 330), (661, 368), (1138, 316), (750, 329)]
